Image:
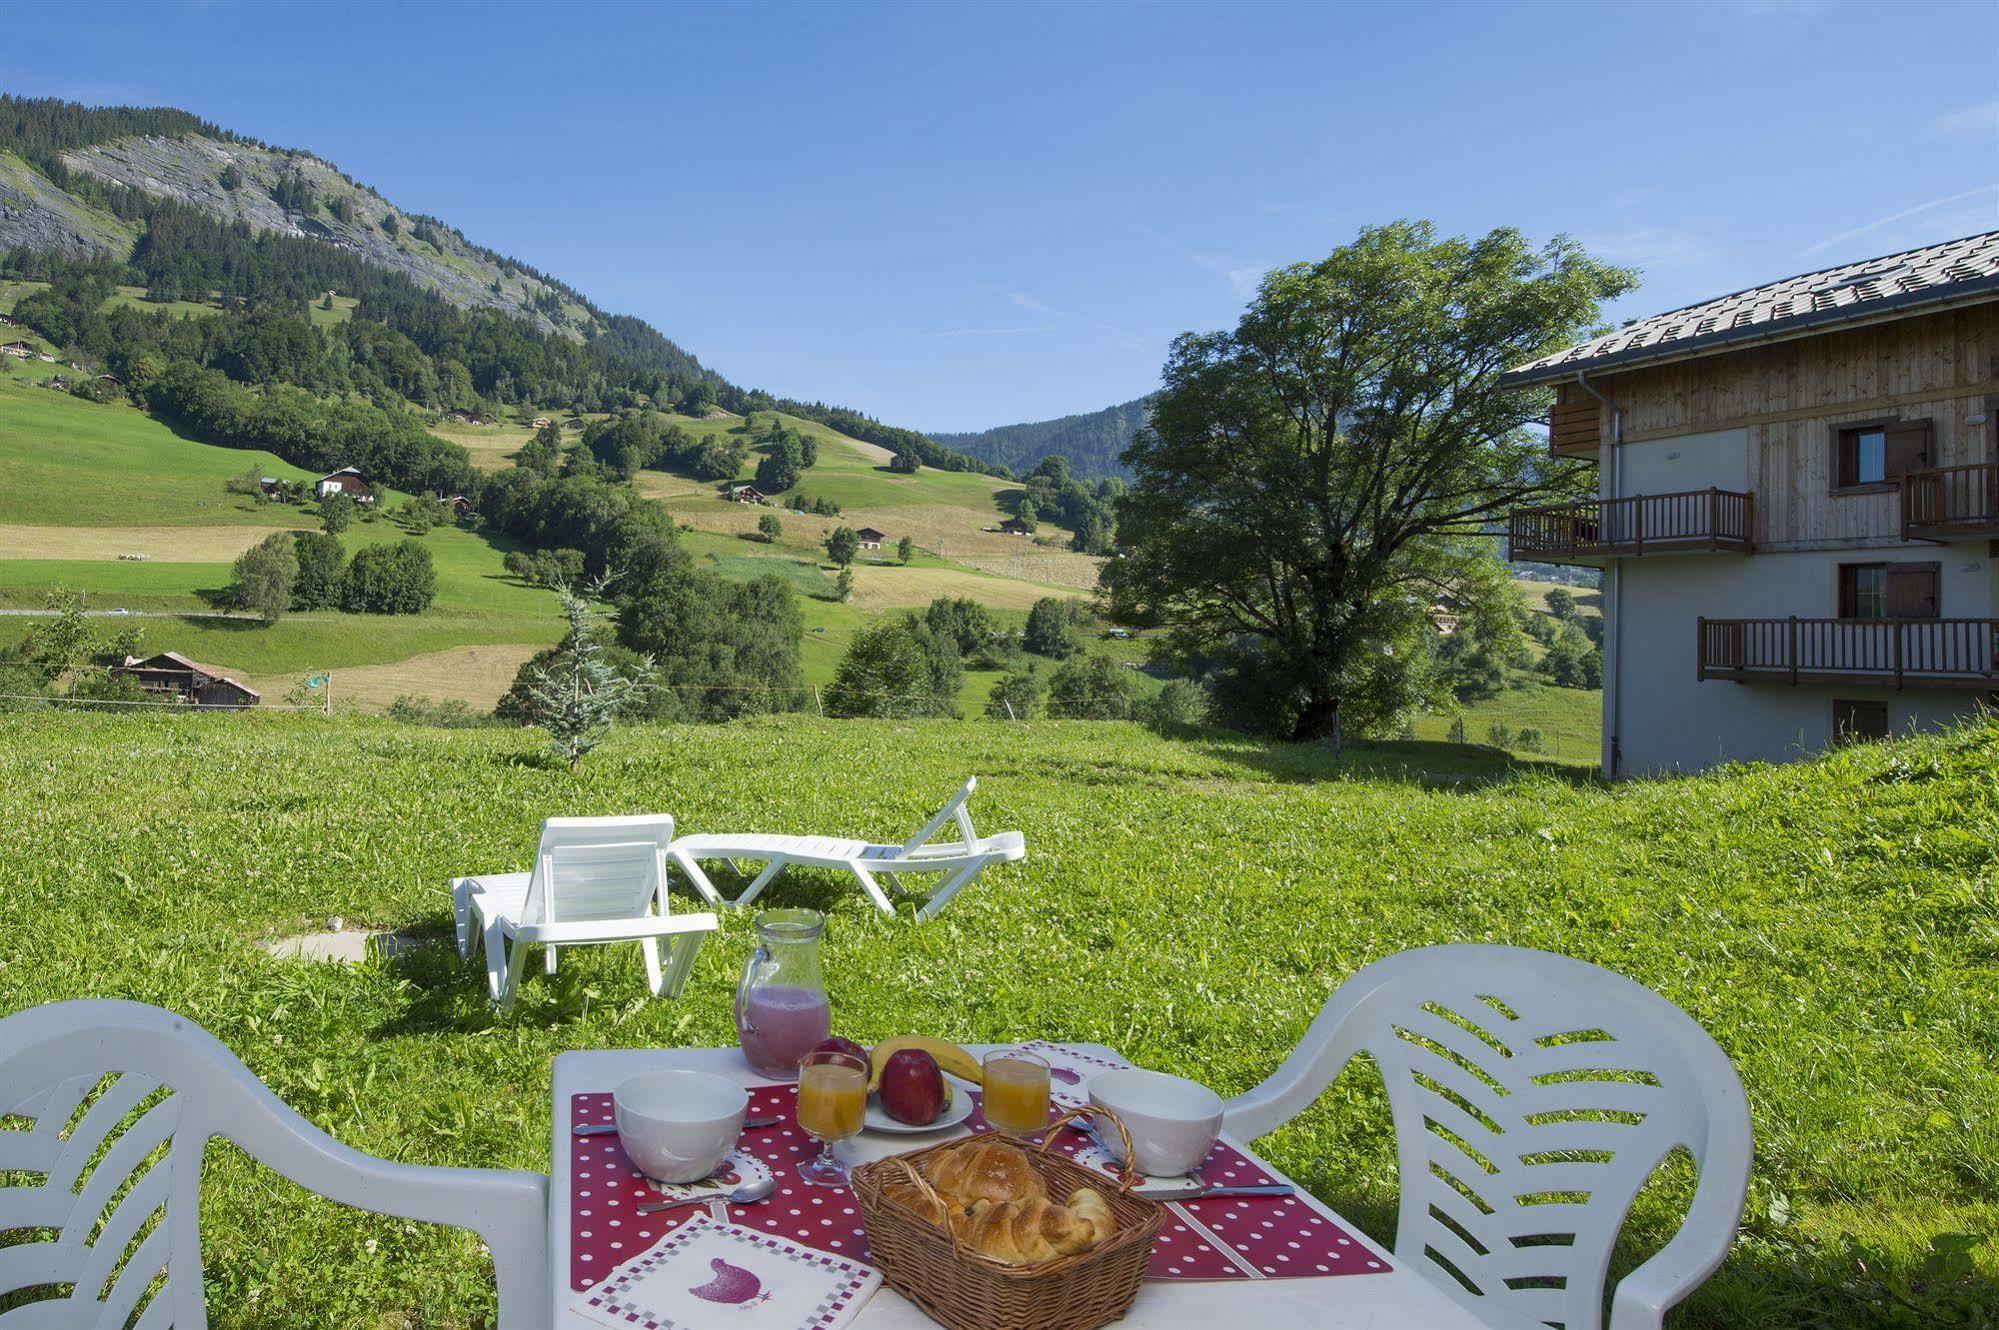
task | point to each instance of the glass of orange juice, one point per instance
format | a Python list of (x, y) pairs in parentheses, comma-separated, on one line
[(832, 1103), (1016, 1092)]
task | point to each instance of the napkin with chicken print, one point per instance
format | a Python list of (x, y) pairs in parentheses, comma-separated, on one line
[(707, 1274)]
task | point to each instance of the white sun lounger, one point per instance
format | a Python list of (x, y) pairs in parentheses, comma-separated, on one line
[(959, 861), (595, 880)]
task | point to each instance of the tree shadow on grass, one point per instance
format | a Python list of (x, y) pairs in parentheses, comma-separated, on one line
[(1427, 763)]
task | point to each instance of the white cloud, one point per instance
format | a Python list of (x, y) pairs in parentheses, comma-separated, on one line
[(1648, 244), (1026, 301), (1245, 280), (1980, 121), (1892, 218)]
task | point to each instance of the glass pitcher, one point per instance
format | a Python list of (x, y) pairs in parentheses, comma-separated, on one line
[(781, 1008)]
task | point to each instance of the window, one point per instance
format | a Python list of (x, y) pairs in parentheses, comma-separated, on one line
[(1853, 721), (1863, 591), (1877, 453), (1888, 590)]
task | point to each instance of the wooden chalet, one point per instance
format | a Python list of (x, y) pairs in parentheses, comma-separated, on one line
[(745, 494), (1013, 526), (173, 676), (346, 481), (870, 538)]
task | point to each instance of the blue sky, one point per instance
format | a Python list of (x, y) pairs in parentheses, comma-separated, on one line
[(956, 216)]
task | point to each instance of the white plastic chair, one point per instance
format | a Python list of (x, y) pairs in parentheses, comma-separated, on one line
[(595, 880), (959, 861), (148, 1089), (1533, 1095)]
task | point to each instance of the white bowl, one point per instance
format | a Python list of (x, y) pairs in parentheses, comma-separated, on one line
[(1173, 1121), (678, 1126)]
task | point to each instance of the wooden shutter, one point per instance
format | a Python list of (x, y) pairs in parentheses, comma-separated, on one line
[(1909, 448), (1912, 590)]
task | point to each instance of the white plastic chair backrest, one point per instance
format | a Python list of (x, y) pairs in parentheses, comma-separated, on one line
[(1533, 1095), (953, 808), (594, 868), (106, 1109)]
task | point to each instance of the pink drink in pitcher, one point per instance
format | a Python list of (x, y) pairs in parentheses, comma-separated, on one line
[(781, 1009), (780, 1024)]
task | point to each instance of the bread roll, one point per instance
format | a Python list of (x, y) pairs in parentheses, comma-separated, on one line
[(983, 1169), (1035, 1230)]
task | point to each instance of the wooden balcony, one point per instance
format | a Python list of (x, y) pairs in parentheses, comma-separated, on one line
[(1590, 532), (1894, 653), (1951, 502)]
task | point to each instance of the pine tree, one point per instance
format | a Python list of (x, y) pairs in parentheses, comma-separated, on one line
[(577, 696)]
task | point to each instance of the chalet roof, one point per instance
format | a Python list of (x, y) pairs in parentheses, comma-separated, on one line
[(345, 471), (146, 662), (869, 533), (1916, 281)]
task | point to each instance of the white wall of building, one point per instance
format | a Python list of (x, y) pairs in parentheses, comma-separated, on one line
[(1691, 462), (1667, 719)]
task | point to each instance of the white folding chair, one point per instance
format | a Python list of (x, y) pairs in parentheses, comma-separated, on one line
[(120, 1189), (1533, 1095), (958, 862), (595, 880)]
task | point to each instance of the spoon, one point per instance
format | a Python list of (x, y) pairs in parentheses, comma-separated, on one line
[(747, 1194)]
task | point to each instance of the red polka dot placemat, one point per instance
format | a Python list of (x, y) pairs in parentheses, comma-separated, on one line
[(1259, 1237)]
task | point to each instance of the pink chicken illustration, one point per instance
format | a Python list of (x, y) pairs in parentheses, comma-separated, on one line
[(732, 1285)]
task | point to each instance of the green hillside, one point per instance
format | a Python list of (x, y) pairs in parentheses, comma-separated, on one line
[(88, 483), (1192, 903)]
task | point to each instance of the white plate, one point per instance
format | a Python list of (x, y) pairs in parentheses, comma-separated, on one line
[(954, 1113)]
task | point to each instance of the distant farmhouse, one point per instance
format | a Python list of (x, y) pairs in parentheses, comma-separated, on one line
[(173, 676), (540, 422), (271, 487), (1013, 526), (745, 494), (346, 481), (19, 350), (870, 538)]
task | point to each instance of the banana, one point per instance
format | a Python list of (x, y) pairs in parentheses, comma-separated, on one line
[(950, 1058)]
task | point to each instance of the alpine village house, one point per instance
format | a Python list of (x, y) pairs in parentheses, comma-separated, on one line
[(1798, 511)]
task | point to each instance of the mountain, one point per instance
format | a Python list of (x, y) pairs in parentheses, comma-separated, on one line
[(1091, 442), (193, 212)]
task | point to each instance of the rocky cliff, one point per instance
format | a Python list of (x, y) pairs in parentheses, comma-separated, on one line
[(331, 208)]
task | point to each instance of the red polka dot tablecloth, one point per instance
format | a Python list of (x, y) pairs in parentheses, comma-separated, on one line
[(1261, 1237)]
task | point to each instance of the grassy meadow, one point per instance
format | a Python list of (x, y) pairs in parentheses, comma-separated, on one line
[(1190, 902)]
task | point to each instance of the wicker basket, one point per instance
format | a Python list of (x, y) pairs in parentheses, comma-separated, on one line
[(964, 1290)]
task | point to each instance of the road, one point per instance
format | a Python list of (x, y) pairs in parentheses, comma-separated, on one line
[(137, 614)]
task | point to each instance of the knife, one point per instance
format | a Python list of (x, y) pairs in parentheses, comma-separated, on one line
[(1197, 1193)]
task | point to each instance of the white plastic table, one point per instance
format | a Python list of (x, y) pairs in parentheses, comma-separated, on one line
[(1396, 1299)]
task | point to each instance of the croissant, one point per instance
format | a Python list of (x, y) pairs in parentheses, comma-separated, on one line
[(984, 1170), (1036, 1230)]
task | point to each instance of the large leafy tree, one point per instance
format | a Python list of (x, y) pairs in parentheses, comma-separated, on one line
[(1304, 488)]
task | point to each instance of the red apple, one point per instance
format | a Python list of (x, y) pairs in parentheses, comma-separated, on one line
[(838, 1045), (912, 1087)]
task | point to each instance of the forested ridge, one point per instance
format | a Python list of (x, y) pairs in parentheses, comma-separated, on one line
[(1094, 442), (477, 358)]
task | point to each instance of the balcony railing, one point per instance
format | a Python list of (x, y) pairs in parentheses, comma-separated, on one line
[(1951, 502), (1891, 652), (1710, 519)]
